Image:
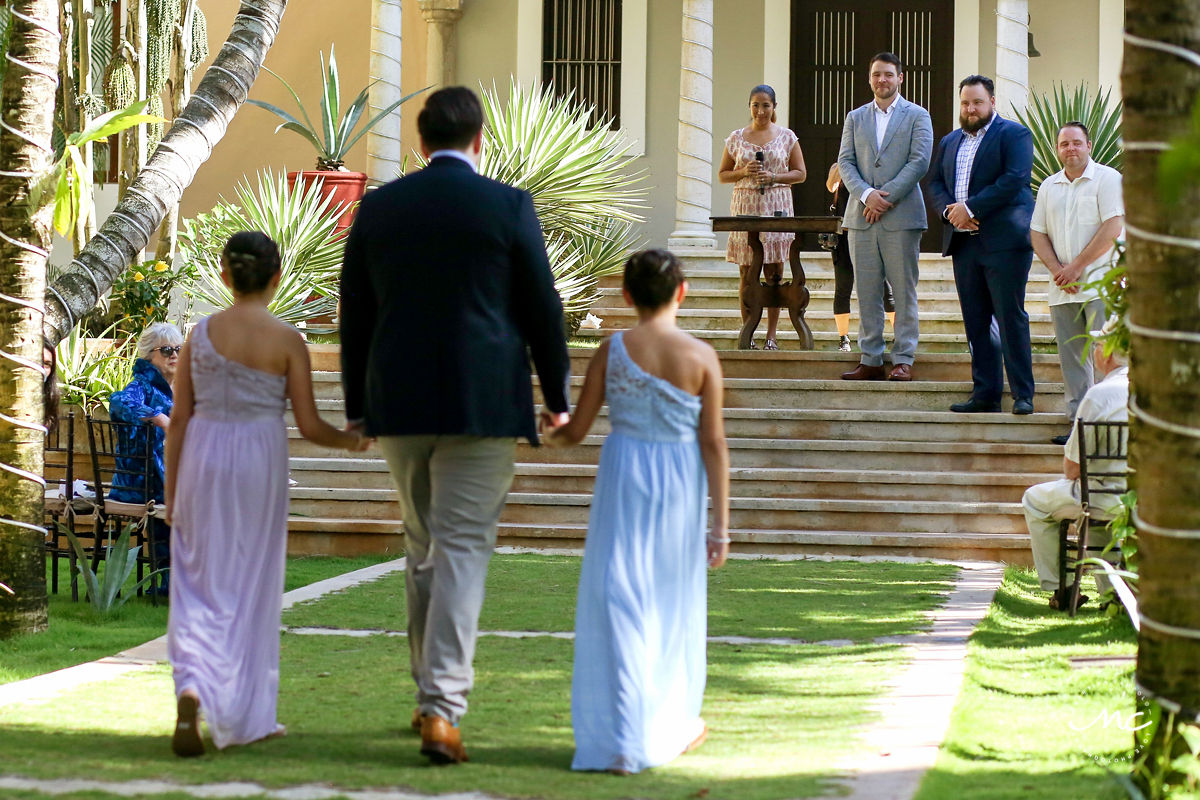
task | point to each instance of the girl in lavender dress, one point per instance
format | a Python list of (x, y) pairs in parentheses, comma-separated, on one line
[(641, 619), (227, 502)]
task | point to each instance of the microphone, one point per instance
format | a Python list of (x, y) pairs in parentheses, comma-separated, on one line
[(759, 158)]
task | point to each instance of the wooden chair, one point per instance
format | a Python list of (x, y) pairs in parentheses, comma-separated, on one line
[(1103, 454), (64, 511), (109, 441)]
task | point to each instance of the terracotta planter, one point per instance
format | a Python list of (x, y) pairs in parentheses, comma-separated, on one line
[(347, 188)]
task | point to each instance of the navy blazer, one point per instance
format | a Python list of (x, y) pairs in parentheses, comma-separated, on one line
[(999, 194), (446, 292)]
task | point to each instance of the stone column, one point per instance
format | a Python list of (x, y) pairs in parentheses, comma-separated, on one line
[(441, 48), (384, 153), (694, 167), (1012, 55)]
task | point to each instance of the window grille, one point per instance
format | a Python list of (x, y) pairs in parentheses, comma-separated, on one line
[(581, 54)]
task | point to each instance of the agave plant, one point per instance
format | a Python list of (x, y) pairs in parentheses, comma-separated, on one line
[(104, 591), (1047, 113), (88, 372), (583, 188), (336, 135), (301, 222)]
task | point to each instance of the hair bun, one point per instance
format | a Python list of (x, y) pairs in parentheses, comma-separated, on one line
[(253, 259)]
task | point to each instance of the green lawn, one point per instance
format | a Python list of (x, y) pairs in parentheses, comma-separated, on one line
[(77, 634), (810, 600), (1026, 725)]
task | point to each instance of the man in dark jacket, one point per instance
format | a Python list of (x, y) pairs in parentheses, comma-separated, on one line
[(446, 293), (980, 183)]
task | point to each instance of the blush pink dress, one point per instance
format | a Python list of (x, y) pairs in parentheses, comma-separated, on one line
[(747, 200), (228, 545)]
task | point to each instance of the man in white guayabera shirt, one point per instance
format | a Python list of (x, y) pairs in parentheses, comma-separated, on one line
[(1078, 215)]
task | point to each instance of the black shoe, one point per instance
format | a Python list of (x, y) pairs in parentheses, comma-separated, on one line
[(975, 406), (1023, 407), (1061, 439)]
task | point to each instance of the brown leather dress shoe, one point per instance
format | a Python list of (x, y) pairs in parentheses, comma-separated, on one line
[(900, 372), (864, 373), (441, 741), (417, 719)]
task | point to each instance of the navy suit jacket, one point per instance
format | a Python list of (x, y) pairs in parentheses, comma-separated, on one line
[(446, 292), (998, 193)]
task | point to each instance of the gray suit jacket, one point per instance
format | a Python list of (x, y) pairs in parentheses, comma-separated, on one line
[(896, 168)]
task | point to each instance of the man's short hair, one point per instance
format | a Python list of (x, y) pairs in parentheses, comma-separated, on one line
[(888, 58), (1087, 135), (451, 119), (979, 80)]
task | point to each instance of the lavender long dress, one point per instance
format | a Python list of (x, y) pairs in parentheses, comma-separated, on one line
[(228, 545)]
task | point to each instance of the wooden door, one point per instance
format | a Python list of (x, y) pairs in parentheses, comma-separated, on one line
[(831, 43)]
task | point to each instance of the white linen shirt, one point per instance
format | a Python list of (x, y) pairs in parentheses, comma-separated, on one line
[(1070, 213), (1107, 401)]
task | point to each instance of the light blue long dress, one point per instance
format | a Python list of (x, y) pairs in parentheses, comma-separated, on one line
[(641, 619)]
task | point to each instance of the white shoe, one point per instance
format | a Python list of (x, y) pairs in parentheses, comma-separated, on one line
[(844, 344)]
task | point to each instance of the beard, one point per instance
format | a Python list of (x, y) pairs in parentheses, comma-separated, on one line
[(971, 126)]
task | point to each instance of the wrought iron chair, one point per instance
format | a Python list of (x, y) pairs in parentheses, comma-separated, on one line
[(1103, 455), (116, 450)]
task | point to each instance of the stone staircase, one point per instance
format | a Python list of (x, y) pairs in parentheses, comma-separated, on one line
[(819, 465)]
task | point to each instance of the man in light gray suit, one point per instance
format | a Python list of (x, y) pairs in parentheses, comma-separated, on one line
[(886, 146)]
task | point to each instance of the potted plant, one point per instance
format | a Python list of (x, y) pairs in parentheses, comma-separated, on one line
[(333, 139)]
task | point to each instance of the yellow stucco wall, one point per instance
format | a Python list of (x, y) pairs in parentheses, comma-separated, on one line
[(249, 144)]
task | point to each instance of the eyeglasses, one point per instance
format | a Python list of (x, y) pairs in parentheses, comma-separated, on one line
[(169, 351)]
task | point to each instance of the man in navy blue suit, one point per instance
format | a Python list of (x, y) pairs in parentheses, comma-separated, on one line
[(980, 180)]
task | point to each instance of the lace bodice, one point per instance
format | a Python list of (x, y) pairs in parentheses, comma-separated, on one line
[(645, 406), (228, 390)]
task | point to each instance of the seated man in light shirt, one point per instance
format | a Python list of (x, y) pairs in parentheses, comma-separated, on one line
[(1047, 504)]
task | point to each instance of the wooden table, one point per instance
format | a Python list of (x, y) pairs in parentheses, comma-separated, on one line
[(792, 295)]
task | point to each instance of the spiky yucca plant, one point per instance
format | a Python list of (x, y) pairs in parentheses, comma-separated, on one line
[(584, 189), (1046, 113), (300, 221)]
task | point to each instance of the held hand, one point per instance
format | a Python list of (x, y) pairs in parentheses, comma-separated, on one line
[(358, 441), (1070, 273), (753, 168), (876, 202), (717, 543), (548, 420), (871, 216), (959, 218)]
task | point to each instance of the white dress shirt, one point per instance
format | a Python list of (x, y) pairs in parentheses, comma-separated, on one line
[(459, 154), (1070, 212), (882, 117)]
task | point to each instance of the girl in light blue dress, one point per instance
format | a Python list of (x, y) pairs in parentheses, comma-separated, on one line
[(641, 618)]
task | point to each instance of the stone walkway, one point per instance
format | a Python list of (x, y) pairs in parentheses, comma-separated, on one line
[(900, 747)]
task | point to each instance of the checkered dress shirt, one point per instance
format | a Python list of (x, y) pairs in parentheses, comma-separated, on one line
[(965, 159)]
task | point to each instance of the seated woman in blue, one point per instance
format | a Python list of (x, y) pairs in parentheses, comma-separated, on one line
[(148, 399)]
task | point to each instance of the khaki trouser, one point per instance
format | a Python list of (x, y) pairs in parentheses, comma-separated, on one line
[(1048, 504), (452, 489)]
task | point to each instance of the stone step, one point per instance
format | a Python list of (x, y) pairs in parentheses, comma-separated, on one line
[(820, 301), (828, 340), (810, 393), (730, 319), (973, 457), (751, 513), (749, 482), (344, 536)]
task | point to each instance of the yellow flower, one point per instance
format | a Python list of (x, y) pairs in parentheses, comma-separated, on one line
[(149, 309), (161, 266), (137, 276)]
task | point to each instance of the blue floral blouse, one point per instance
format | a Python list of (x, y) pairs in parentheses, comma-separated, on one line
[(147, 395)]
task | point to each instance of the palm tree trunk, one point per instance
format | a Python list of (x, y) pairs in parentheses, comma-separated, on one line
[(1161, 79), (29, 86), (181, 93), (161, 182)]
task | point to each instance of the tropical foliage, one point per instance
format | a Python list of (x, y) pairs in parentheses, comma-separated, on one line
[(336, 134), (143, 293), (89, 370), (300, 221), (104, 591), (1046, 113), (583, 187)]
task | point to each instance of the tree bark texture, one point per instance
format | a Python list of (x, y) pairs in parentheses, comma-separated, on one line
[(29, 87), (170, 169), (1160, 87)]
